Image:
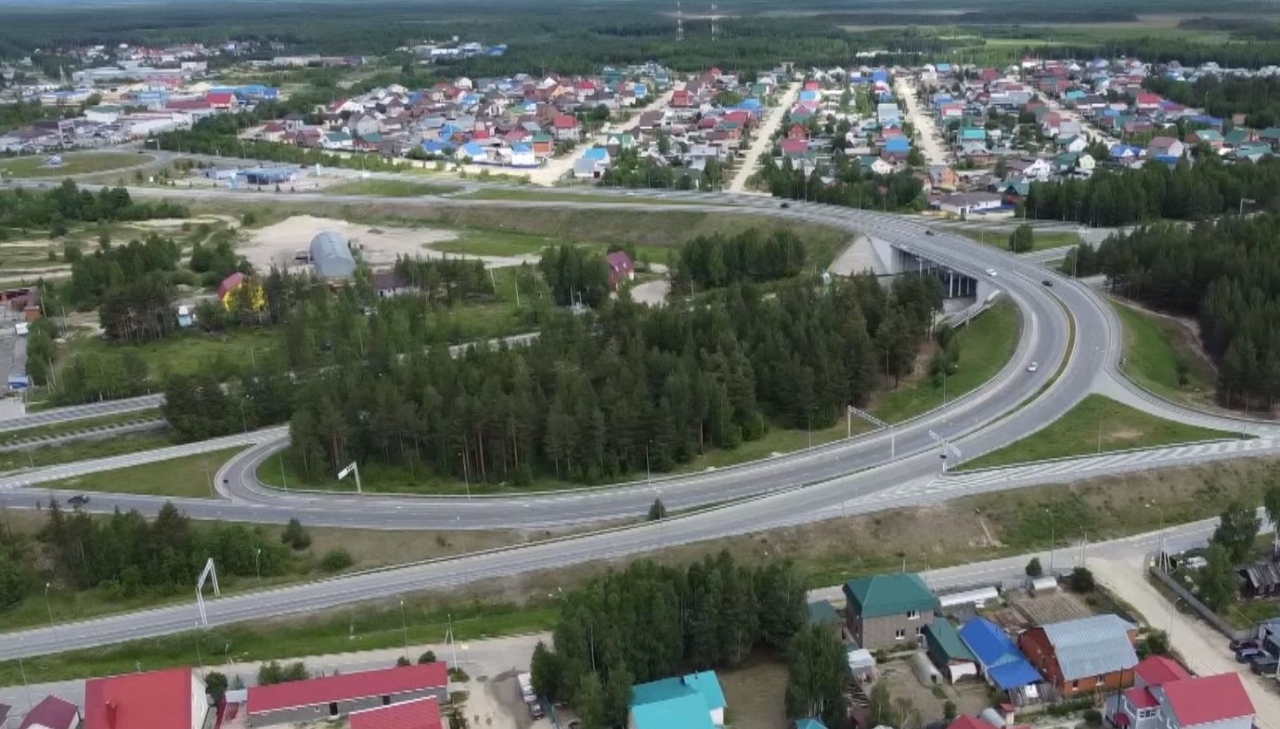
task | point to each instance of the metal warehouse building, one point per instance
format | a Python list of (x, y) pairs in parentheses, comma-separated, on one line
[(331, 257), (334, 696)]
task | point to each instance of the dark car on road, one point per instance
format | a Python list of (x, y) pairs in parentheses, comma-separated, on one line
[(78, 500), (785, 205), (1047, 282)]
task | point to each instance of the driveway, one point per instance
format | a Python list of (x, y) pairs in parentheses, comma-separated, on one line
[(763, 140), (1202, 648)]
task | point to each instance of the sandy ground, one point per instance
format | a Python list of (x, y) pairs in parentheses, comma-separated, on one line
[(1202, 648), (379, 245), (653, 293), (928, 138), (763, 139)]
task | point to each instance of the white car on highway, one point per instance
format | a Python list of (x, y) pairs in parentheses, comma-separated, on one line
[(991, 272), (1033, 367)]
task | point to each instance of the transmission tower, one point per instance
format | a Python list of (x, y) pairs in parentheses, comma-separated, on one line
[(679, 22), (714, 21)]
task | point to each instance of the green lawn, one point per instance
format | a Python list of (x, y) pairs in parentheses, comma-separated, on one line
[(1043, 240), (187, 352), (644, 196), (77, 426), (390, 188), (190, 476), (1097, 425), (81, 450), (359, 628), (1153, 347), (476, 242), (77, 163), (986, 345)]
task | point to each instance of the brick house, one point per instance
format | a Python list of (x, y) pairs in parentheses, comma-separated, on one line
[(1083, 656), (885, 611)]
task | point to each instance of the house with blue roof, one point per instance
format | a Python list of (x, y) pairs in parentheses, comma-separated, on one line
[(1000, 661), (693, 701), (477, 152), (809, 724)]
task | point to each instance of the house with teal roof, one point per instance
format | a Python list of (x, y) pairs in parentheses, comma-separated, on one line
[(693, 701), (889, 611), (809, 724)]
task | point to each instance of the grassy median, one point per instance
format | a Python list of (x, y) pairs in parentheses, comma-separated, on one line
[(1096, 425), (1162, 355)]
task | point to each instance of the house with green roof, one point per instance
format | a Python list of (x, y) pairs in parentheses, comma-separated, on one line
[(694, 701), (821, 612), (1238, 136), (948, 652), (889, 611)]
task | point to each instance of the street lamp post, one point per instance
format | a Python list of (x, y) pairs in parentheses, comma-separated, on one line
[(648, 474), (404, 627), (1160, 557), (257, 552), (47, 604), (1052, 538)]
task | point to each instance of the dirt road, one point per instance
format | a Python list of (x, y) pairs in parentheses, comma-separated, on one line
[(1202, 648), (928, 138), (763, 140)]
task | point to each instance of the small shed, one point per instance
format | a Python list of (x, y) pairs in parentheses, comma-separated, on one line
[(948, 652), (1043, 585), (861, 663)]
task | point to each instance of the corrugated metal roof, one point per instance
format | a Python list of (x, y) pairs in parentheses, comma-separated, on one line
[(1092, 646), (330, 256)]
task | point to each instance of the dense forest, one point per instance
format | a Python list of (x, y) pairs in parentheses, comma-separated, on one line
[(652, 622), (55, 209), (1258, 98), (715, 261), (1186, 192), (1226, 274), (595, 393), (126, 555)]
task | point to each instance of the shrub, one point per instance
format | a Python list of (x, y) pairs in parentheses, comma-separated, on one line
[(295, 536), (1081, 580), (1034, 569), (428, 657), (336, 559)]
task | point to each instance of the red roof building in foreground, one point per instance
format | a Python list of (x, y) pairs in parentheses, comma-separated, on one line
[(334, 696), (1159, 670), (1187, 703), (172, 699), (415, 714)]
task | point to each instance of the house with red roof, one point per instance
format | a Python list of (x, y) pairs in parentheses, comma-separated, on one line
[(52, 713), (170, 699), (1166, 696), (620, 268), (416, 714), (565, 128), (220, 99), (331, 697)]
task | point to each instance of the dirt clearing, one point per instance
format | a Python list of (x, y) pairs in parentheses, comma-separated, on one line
[(282, 244)]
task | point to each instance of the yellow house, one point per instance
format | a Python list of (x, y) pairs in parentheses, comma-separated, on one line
[(229, 285)]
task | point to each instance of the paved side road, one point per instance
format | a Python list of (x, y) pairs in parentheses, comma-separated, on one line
[(1203, 649), (763, 139)]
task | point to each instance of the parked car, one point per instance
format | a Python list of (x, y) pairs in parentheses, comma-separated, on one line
[(1244, 655), (1264, 666), (1238, 645)]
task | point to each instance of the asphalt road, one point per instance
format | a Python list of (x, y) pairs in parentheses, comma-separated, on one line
[(849, 475), (80, 412)]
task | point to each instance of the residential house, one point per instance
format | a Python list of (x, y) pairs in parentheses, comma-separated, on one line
[(1000, 661), (1166, 147), (1075, 144), (887, 611), (948, 652), (421, 713), (52, 713), (1239, 136), (1211, 137), (822, 613), (1165, 696), (389, 283), (1082, 656), (620, 268), (944, 178), (1125, 153), (1032, 168), (332, 697), (565, 128), (965, 204), (170, 699), (543, 145), (695, 701), (809, 723)]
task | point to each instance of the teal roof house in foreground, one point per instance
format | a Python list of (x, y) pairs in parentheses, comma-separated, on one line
[(694, 701)]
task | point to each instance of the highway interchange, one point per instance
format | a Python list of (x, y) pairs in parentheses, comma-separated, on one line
[(853, 476)]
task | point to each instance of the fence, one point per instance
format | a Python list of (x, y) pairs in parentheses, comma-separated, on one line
[(1209, 616)]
